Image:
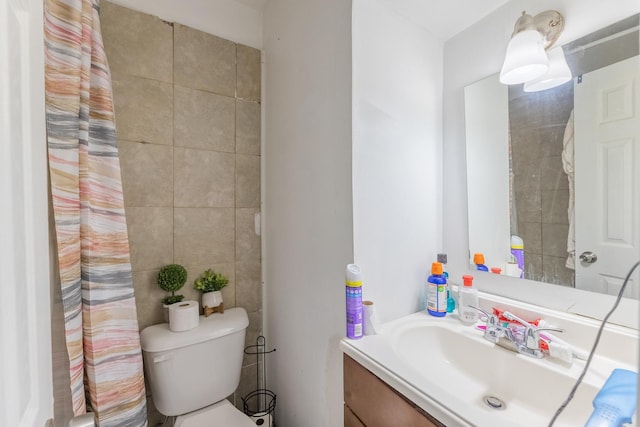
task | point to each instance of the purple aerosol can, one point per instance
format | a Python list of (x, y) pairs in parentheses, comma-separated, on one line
[(355, 314)]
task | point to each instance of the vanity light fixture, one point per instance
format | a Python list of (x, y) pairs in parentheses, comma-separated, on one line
[(558, 73), (527, 61)]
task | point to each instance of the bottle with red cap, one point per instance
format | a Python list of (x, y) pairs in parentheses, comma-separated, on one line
[(467, 298)]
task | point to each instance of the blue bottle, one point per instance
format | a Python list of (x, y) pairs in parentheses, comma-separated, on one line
[(616, 401), (436, 291), (478, 260)]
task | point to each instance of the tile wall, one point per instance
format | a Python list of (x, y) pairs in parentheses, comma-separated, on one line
[(187, 109), (537, 123)]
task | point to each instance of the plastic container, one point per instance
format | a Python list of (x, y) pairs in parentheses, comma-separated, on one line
[(517, 250), (467, 296), (478, 260), (451, 303), (355, 313), (436, 291), (616, 401)]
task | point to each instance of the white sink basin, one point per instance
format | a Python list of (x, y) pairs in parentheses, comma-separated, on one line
[(473, 368), (449, 369)]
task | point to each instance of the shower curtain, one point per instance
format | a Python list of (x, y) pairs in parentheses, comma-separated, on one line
[(93, 250)]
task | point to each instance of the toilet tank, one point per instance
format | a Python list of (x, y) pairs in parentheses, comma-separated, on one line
[(193, 369)]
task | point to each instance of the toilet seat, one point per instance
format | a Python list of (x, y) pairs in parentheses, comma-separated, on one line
[(221, 414)]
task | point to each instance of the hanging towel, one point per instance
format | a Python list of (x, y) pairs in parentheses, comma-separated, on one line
[(569, 168)]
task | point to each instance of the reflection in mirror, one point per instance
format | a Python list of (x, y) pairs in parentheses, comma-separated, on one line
[(556, 171)]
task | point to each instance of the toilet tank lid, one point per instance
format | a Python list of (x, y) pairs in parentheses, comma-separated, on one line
[(159, 337)]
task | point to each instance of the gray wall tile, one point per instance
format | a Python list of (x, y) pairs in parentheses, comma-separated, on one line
[(150, 236), (552, 176), (554, 239), (249, 69), (554, 206), (204, 120), (248, 127), (147, 173), (247, 241), (137, 44), (148, 298), (203, 61), (247, 181), (204, 236), (531, 234), (556, 272), (249, 285), (143, 110), (204, 178)]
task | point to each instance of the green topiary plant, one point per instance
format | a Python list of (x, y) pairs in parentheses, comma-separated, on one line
[(210, 281), (171, 278)]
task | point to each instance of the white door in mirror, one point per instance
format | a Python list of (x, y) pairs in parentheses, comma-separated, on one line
[(607, 207)]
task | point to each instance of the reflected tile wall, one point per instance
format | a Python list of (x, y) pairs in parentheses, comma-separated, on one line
[(540, 190), (188, 109)]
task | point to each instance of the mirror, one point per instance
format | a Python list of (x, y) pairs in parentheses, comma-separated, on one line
[(556, 172)]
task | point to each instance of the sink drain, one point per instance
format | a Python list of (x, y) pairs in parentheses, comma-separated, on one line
[(494, 402)]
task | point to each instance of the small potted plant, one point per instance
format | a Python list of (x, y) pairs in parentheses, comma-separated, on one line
[(171, 278), (210, 284)]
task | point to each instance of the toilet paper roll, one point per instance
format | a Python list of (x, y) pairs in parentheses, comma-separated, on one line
[(371, 322), (184, 315)]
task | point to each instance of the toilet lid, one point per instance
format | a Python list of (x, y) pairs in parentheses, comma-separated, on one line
[(221, 414)]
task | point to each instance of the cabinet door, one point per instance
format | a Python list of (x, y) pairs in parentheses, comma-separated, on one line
[(375, 404), (350, 419)]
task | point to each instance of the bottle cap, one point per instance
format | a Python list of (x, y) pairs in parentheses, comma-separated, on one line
[(516, 242), (496, 270), (467, 280), (436, 268), (353, 276), (478, 258)]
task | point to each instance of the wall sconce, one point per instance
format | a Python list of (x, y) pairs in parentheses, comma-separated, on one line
[(527, 60)]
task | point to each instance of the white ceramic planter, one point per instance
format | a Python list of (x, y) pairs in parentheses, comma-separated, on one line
[(211, 299)]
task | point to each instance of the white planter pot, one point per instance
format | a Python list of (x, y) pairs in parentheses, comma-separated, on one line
[(211, 299)]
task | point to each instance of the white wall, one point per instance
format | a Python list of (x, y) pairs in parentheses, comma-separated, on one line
[(308, 235), (397, 152), (478, 52), (229, 19)]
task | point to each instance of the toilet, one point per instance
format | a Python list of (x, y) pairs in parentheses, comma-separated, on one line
[(191, 373)]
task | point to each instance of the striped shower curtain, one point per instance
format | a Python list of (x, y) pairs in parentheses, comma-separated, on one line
[(93, 250)]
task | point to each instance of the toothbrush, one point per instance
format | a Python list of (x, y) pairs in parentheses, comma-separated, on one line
[(512, 316), (577, 353), (548, 336)]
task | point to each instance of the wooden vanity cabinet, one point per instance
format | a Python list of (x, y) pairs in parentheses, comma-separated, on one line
[(370, 402)]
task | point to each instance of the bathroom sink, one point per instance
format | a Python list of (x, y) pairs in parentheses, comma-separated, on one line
[(452, 372), (490, 377)]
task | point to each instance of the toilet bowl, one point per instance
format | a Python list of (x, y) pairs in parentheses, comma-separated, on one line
[(191, 373)]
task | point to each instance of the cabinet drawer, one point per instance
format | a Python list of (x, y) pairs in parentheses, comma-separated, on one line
[(376, 404)]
